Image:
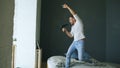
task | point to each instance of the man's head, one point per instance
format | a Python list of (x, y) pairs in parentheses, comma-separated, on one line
[(72, 20)]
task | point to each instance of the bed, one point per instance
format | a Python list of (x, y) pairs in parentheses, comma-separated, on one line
[(59, 62)]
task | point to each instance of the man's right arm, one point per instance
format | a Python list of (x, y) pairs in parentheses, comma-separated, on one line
[(67, 32)]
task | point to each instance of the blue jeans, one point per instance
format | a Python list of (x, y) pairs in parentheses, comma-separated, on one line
[(76, 50)]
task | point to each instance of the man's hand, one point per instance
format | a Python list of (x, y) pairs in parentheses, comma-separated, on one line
[(68, 33), (65, 6), (64, 29)]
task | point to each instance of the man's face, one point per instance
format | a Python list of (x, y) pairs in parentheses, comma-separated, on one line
[(71, 20)]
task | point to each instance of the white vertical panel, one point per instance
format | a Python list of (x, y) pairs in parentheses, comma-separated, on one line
[(24, 32)]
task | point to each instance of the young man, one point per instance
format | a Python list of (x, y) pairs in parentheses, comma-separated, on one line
[(78, 34)]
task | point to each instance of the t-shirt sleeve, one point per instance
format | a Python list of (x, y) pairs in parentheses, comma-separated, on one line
[(77, 18)]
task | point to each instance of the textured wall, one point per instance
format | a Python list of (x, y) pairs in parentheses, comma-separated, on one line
[(6, 27), (113, 31)]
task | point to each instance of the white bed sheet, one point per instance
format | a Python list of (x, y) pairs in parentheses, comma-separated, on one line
[(59, 62)]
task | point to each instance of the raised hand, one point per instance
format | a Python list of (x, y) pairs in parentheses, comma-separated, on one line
[(65, 6), (69, 8)]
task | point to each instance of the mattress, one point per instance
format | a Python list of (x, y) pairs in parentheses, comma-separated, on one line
[(59, 62)]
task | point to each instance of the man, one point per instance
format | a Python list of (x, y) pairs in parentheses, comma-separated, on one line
[(78, 34)]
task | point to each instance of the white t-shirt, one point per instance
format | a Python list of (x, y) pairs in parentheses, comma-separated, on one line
[(77, 29)]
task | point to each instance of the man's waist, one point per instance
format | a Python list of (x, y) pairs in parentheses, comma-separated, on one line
[(80, 37)]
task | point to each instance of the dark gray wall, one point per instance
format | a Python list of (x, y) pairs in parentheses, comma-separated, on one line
[(93, 14), (113, 31), (6, 32)]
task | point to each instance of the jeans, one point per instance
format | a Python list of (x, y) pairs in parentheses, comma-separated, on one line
[(76, 50)]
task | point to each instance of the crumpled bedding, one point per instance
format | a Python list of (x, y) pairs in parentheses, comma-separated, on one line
[(59, 62)]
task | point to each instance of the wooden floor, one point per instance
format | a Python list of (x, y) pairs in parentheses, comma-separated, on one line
[(44, 65)]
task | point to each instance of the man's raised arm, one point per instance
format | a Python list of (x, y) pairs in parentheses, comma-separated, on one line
[(70, 10)]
